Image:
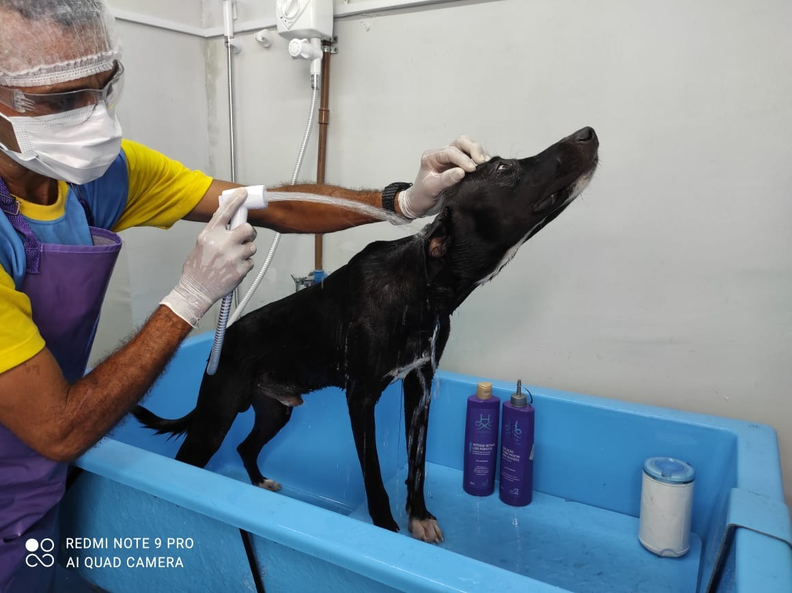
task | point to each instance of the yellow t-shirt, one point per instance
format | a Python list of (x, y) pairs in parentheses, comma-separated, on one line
[(141, 188)]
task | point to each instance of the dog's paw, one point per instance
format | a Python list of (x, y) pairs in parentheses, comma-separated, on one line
[(270, 485), (426, 530)]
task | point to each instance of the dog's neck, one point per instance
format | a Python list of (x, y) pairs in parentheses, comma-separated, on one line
[(447, 287)]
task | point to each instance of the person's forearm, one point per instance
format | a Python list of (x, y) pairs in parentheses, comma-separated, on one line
[(299, 216), (96, 402), (311, 217)]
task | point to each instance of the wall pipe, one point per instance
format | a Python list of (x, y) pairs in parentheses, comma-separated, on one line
[(231, 134), (324, 121), (231, 48)]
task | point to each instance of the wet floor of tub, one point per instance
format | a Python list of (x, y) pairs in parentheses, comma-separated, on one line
[(561, 542), (574, 546)]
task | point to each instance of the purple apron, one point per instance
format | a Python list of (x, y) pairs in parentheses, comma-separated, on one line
[(66, 285)]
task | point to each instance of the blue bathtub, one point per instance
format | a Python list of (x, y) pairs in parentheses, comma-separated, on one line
[(136, 520)]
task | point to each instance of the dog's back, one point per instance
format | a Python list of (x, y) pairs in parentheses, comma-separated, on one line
[(359, 320)]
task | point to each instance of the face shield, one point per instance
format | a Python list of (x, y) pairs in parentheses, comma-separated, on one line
[(82, 100)]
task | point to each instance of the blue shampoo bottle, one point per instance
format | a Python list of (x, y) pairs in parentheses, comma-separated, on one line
[(517, 442), (481, 441)]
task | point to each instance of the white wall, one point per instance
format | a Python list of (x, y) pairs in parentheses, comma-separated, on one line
[(669, 282), (184, 12)]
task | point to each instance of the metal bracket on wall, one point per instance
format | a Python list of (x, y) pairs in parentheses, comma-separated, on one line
[(330, 46), (301, 282)]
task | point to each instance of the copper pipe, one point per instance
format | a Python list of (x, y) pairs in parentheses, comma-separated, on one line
[(324, 120)]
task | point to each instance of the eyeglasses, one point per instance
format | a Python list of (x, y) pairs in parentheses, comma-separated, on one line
[(34, 104)]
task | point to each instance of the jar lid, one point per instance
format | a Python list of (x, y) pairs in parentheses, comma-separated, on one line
[(669, 470)]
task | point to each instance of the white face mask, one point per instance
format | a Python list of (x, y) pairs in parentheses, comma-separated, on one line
[(67, 146)]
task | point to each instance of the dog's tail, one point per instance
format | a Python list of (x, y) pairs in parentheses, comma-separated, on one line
[(175, 428)]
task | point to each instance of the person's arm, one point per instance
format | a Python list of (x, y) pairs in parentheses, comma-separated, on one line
[(439, 170), (61, 420), (297, 217)]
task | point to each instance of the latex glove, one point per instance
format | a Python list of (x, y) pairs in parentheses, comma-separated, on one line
[(216, 265), (440, 169)]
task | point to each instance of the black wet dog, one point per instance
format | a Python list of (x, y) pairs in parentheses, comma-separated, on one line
[(383, 316)]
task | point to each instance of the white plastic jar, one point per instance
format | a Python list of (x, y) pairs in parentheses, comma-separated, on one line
[(666, 506)]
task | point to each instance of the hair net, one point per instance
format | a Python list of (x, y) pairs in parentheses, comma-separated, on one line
[(46, 42)]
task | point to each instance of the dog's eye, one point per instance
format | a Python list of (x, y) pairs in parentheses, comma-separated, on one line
[(502, 167)]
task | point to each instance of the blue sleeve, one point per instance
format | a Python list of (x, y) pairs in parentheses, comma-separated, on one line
[(107, 196), (12, 252)]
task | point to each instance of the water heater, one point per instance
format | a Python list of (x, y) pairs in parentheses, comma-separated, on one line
[(305, 19)]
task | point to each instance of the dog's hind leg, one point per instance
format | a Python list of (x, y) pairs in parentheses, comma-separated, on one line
[(204, 439), (220, 399), (417, 397), (361, 402), (271, 416)]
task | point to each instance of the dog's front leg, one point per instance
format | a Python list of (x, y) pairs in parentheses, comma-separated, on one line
[(417, 396), (361, 413)]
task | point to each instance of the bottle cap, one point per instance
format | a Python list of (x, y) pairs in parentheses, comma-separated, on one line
[(484, 391), (669, 470), (518, 399)]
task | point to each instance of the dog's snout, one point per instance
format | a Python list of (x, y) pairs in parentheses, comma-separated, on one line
[(585, 135)]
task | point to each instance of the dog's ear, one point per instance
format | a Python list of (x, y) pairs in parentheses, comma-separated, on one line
[(439, 236), (437, 244)]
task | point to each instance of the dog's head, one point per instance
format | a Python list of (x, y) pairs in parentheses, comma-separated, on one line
[(494, 210)]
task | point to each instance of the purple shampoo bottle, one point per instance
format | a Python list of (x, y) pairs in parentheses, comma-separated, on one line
[(481, 441), (517, 442)]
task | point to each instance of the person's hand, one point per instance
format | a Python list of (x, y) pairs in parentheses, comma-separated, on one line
[(440, 169), (216, 265)]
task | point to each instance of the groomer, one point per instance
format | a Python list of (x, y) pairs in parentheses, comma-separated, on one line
[(69, 184)]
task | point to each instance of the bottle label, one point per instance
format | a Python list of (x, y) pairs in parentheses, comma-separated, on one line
[(484, 423), (482, 455), (510, 455), (514, 431), (481, 470), (510, 478), (482, 449)]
